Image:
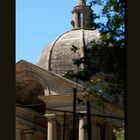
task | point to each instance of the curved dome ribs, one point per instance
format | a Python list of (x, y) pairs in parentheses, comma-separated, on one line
[(51, 48), (58, 57)]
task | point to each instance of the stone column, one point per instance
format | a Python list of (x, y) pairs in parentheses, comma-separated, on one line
[(18, 133), (81, 128), (51, 134), (29, 134)]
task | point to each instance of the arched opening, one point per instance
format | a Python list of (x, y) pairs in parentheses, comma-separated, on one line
[(27, 92)]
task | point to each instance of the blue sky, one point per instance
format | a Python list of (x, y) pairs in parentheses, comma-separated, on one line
[(38, 22)]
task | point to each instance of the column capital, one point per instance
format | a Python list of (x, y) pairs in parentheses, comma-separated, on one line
[(50, 117), (28, 131), (82, 113)]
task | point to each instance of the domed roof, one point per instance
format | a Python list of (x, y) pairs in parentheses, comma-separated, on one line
[(58, 57)]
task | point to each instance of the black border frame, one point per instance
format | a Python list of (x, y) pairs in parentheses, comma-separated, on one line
[(133, 70), (7, 70)]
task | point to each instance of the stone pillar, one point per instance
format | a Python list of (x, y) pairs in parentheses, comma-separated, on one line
[(81, 128), (51, 134), (82, 122), (108, 131), (29, 134), (18, 133)]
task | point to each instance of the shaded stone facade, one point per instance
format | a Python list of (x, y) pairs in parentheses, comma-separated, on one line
[(56, 93), (44, 98)]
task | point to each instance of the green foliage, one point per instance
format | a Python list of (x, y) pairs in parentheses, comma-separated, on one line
[(105, 60), (107, 56), (119, 133)]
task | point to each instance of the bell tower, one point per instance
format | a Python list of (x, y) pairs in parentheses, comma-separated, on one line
[(82, 16)]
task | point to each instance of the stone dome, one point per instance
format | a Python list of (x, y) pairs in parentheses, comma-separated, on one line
[(58, 57)]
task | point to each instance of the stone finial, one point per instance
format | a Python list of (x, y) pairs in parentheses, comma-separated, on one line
[(82, 2)]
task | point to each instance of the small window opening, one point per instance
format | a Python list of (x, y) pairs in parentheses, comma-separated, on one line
[(80, 19)]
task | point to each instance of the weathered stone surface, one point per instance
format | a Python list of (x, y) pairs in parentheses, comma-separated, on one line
[(33, 81), (58, 57), (63, 89), (41, 90)]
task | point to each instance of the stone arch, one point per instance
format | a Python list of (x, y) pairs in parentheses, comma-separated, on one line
[(31, 75), (30, 85)]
